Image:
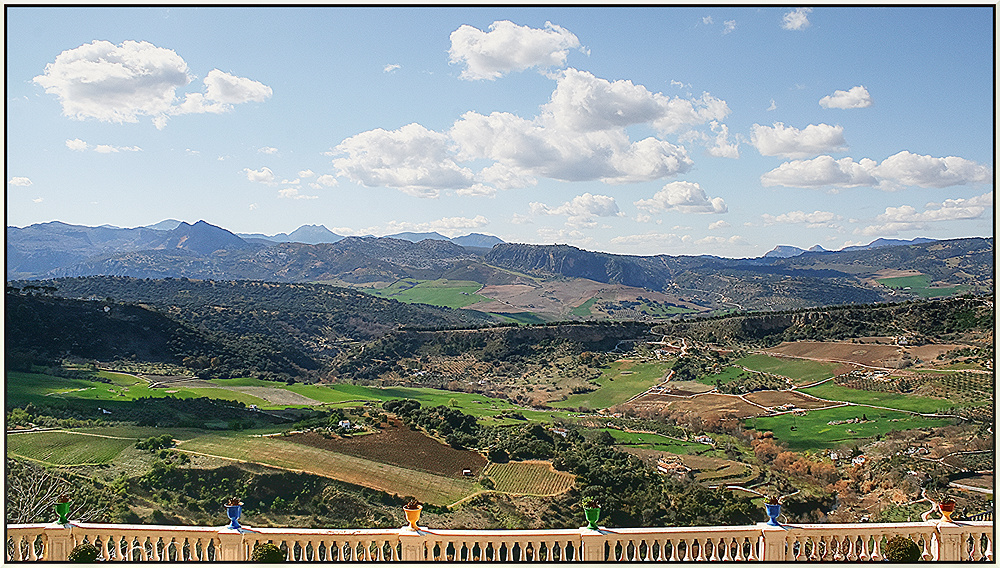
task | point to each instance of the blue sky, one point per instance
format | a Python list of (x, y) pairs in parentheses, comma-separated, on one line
[(715, 130)]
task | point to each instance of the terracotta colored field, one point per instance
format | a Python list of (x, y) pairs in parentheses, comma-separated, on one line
[(864, 354), (706, 405), (396, 444), (778, 398), (930, 352), (529, 478)]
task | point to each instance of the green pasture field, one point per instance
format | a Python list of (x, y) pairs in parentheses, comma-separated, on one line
[(583, 310), (728, 375), (274, 451), (920, 285), (618, 383), (800, 371), (656, 309), (65, 448), (522, 318), (656, 442), (441, 292), (812, 431), (899, 401)]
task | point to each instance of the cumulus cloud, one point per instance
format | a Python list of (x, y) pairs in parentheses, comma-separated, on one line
[(683, 196), (899, 170), (581, 210), (728, 26), (413, 159), (267, 150), (263, 175), (327, 180), (790, 142), (815, 219), (657, 239), (856, 97), (306, 174), (76, 145), (109, 149), (120, 83), (723, 148), (293, 193), (797, 19), (720, 224), (448, 226), (389, 68), (19, 181), (508, 47), (907, 168), (906, 217)]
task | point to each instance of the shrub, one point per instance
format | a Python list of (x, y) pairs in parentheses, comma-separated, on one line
[(901, 549), (266, 552), (85, 552)]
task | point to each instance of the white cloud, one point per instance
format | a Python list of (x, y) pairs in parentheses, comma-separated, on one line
[(389, 68), (790, 142), (714, 240), (477, 190), (797, 19), (707, 20), (728, 26), (927, 171), (720, 224), (657, 239), (822, 171), (76, 145), (899, 170), (263, 175), (581, 210), (38, 200), (109, 149), (306, 174), (773, 106), (267, 150), (723, 148), (253, 206), (413, 159), (518, 219), (293, 193), (816, 219), (857, 97), (327, 180), (906, 217), (447, 226), (683, 196), (508, 47), (19, 181), (120, 83)]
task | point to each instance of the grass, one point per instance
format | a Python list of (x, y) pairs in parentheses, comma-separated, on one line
[(898, 401), (522, 318), (728, 375), (64, 448), (426, 487), (619, 382), (812, 431), (583, 310), (919, 285), (656, 442), (441, 292), (800, 371)]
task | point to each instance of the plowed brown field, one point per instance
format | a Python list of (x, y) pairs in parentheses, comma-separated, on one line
[(864, 354), (397, 445), (778, 398)]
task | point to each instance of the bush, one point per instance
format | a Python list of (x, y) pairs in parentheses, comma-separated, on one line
[(901, 549), (266, 552), (85, 552)]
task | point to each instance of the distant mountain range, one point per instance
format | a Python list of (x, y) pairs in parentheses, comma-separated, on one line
[(785, 278), (787, 251)]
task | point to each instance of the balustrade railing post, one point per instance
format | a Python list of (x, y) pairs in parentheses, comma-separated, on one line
[(774, 543), (949, 545), (58, 542), (231, 547), (412, 545), (591, 545)]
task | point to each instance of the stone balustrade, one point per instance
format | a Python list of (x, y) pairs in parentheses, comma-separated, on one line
[(950, 542)]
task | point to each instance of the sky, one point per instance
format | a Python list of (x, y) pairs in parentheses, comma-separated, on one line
[(644, 130)]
